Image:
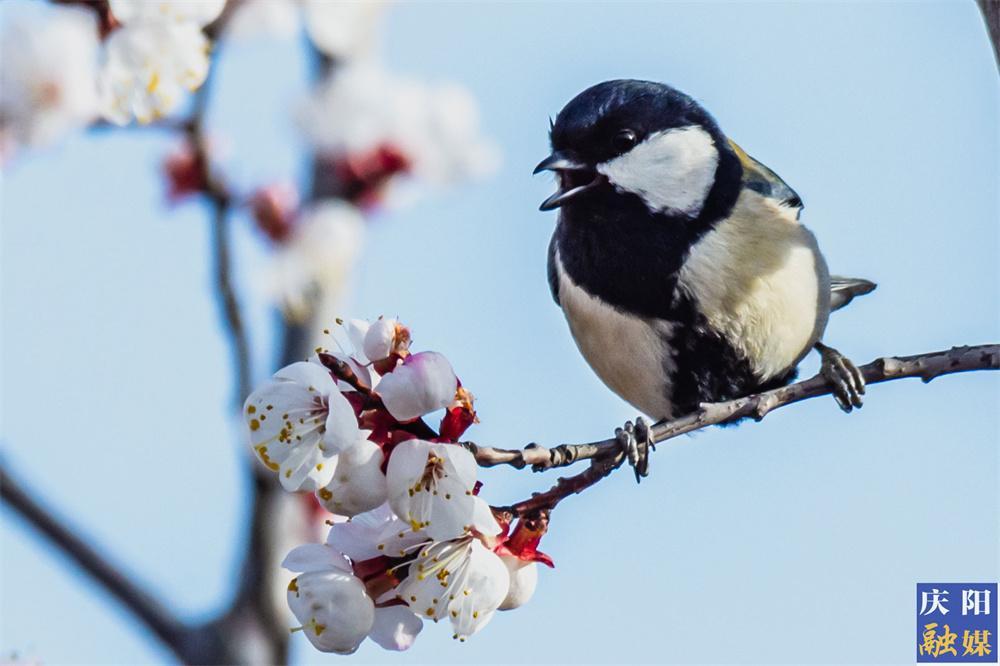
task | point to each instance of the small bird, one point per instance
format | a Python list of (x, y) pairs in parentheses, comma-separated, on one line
[(679, 260)]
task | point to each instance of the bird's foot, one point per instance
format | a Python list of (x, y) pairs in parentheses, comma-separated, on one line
[(636, 441), (843, 376)]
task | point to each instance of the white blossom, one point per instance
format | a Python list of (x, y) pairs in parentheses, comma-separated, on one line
[(460, 579), (333, 605), (157, 55), (422, 383), (198, 12), (278, 19), (298, 422), (379, 339), (48, 72), (328, 599), (149, 66), (343, 30), (358, 484), (431, 487), (395, 627), (523, 581), (374, 533), (318, 257), (361, 107)]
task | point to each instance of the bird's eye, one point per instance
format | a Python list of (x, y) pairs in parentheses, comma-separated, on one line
[(624, 140)]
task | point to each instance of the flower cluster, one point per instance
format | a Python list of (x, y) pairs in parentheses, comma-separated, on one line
[(48, 70), (372, 125), (65, 66), (340, 30), (158, 53), (419, 543)]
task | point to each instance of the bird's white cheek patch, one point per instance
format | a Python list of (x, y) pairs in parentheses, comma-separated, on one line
[(671, 171)]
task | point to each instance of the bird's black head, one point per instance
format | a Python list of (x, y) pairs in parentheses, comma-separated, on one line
[(638, 139)]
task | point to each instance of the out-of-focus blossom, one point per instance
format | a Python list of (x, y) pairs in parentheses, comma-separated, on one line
[(148, 67), (364, 177), (48, 70), (199, 12), (317, 258), (274, 208), (185, 172), (298, 422), (278, 19), (423, 383), (343, 30), (362, 109), (157, 55)]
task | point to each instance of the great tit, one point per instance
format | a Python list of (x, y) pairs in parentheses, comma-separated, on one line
[(679, 260)]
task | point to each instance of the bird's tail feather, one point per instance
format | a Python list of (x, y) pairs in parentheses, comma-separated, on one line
[(844, 289)]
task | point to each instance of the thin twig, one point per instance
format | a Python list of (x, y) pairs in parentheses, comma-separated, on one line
[(150, 612), (221, 200), (925, 366)]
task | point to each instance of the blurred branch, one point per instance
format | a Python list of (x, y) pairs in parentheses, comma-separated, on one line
[(149, 611), (606, 455), (991, 15), (220, 199)]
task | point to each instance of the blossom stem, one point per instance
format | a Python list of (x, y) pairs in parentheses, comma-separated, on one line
[(606, 455)]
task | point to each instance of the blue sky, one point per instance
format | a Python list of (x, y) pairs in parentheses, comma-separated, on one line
[(798, 540)]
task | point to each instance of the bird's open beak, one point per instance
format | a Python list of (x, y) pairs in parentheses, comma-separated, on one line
[(575, 177)]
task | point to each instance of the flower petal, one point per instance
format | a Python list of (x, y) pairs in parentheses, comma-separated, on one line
[(305, 469), (315, 557), (358, 484), (523, 581), (483, 520), (486, 586), (310, 375), (358, 537), (334, 609), (202, 12), (342, 431), (395, 627), (378, 339), (356, 330), (429, 486), (424, 382)]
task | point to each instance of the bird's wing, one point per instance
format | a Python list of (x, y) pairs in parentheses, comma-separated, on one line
[(552, 274), (762, 180), (844, 289)]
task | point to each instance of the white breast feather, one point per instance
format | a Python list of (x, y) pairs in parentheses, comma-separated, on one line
[(758, 277), (627, 353), (671, 171)]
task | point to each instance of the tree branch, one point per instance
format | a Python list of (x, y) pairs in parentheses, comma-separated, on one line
[(606, 455), (220, 199), (150, 612)]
